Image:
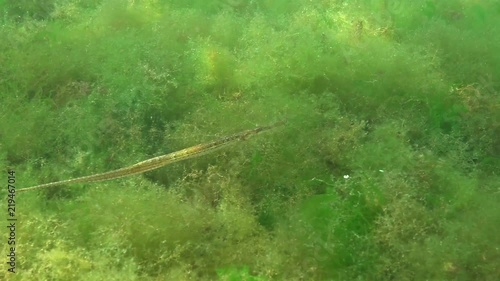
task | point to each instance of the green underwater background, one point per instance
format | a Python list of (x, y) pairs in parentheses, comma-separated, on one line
[(388, 167)]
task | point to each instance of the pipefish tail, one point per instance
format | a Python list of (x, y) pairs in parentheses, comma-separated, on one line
[(163, 160)]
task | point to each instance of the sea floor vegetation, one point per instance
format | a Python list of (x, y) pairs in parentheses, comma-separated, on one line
[(388, 167)]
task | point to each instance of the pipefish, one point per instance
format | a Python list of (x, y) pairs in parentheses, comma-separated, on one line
[(160, 161)]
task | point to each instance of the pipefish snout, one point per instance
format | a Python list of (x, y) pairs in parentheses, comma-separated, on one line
[(163, 160)]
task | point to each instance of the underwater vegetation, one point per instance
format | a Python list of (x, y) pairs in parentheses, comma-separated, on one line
[(387, 169)]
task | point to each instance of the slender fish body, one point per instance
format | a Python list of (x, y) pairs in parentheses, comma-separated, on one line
[(160, 161)]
